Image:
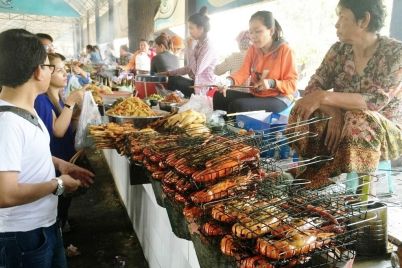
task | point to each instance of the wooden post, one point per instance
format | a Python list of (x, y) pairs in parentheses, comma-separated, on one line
[(141, 15)]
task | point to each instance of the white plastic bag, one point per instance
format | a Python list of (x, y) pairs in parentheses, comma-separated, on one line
[(89, 116), (199, 103)]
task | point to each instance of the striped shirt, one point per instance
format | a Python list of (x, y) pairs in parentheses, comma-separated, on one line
[(231, 64), (201, 64)]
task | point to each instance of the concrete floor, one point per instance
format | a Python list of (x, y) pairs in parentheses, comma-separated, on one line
[(101, 228)]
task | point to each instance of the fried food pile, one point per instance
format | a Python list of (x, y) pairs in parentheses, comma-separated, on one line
[(132, 107)]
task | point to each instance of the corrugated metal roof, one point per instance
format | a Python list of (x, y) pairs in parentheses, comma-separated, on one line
[(39, 7)]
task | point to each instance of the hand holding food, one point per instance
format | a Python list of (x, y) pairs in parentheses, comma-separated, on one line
[(75, 97)]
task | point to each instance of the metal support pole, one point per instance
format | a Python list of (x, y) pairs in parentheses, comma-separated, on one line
[(88, 34), (111, 20), (97, 22)]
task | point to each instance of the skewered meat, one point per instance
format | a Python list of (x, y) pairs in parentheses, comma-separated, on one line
[(255, 262), (258, 224), (212, 228), (191, 212), (137, 157), (299, 243), (323, 213), (185, 169), (224, 188), (230, 247), (167, 190), (229, 211), (243, 153), (158, 175), (180, 198), (300, 224), (183, 185), (171, 178), (213, 173)]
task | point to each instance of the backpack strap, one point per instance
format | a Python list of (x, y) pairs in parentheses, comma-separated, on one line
[(22, 113)]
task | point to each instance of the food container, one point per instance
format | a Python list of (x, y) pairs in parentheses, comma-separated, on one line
[(153, 102), (137, 121), (145, 85), (168, 106)]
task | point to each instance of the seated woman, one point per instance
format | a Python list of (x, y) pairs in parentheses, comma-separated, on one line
[(57, 118), (235, 60), (364, 70), (271, 65), (140, 61), (164, 60), (201, 62)]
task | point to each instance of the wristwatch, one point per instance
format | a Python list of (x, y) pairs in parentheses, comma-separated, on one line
[(71, 107), (60, 187)]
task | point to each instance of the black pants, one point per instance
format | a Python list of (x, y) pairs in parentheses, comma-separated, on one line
[(182, 84), (62, 209), (236, 101)]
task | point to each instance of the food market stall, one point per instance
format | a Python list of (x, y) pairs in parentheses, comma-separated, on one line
[(224, 206)]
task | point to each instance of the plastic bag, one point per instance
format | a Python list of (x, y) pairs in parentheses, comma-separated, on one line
[(89, 116), (216, 119), (199, 103)]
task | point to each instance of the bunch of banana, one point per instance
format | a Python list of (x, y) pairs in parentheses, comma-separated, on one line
[(191, 121)]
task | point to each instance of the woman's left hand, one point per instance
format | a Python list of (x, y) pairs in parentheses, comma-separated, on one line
[(334, 129), (307, 105)]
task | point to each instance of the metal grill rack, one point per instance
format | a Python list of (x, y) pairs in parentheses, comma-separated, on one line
[(298, 217)]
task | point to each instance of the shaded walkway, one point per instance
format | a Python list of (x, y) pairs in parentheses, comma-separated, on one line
[(100, 226)]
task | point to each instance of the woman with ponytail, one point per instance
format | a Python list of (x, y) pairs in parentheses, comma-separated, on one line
[(269, 63), (165, 60), (201, 62)]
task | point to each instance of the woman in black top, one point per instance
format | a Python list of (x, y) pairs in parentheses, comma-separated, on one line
[(164, 60)]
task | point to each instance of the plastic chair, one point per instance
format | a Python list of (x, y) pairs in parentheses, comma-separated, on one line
[(352, 180)]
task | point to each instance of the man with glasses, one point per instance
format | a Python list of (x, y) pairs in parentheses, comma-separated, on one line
[(29, 236)]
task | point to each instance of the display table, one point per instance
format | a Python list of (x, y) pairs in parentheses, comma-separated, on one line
[(150, 221)]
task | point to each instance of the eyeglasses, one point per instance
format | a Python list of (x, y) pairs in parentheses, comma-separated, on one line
[(49, 47), (51, 67)]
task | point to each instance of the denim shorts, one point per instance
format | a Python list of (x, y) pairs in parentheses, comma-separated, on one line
[(39, 248)]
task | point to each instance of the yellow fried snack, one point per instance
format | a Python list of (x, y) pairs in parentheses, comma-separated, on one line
[(131, 107)]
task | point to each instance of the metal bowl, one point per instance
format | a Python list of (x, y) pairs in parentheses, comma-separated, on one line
[(137, 121), (169, 106)]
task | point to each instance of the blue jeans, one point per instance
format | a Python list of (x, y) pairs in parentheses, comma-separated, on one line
[(39, 248)]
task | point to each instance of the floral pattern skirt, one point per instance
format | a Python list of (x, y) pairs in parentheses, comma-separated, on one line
[(368, 137)]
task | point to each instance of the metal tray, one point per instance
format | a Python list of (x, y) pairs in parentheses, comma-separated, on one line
[(169, 106), (137, 121)]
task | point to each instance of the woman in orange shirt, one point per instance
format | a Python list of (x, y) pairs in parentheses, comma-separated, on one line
[(271, 65)]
